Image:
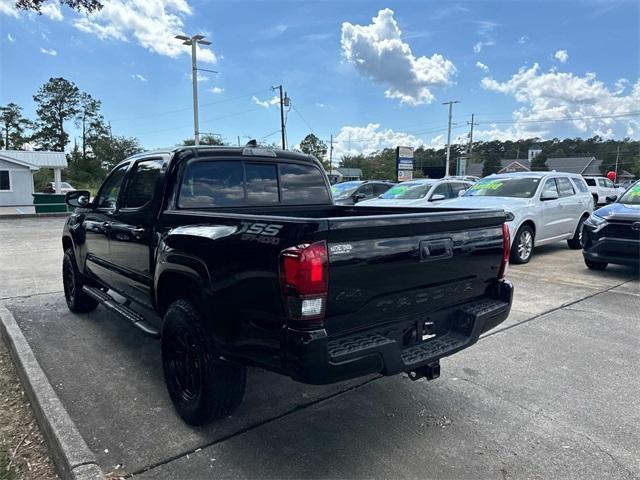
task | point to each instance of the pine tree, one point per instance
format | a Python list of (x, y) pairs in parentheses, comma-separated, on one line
[(57, 102)]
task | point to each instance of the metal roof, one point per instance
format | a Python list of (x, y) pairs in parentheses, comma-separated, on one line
[(37, 159)]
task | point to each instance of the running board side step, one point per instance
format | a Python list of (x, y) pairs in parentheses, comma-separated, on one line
[(124, 311)]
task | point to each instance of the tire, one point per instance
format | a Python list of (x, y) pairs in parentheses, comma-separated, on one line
[(522, 248), (592, 265), (73, 280), (203, 386), (575, 243)]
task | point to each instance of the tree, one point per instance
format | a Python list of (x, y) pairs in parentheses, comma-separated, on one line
[(312, 145), (13, 126), (89, 121), (539, 162), (57, 101), (88, 6), (206, 139), (491, 165), (109, 151)]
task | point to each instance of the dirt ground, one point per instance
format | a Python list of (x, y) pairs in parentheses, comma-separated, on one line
[(23, 451)]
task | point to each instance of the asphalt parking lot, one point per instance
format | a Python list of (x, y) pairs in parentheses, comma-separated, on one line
[(551, 393)]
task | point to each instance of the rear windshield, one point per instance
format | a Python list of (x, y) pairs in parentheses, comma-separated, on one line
[(504, 187), (221, 183), (408, 190)]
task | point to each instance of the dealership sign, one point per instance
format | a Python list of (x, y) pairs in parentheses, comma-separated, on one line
[(404, 163)]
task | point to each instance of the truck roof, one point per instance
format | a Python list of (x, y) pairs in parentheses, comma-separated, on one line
[(245, 151)]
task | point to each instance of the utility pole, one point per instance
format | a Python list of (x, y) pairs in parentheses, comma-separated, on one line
[(446, 167), (284, 102), (617, 155), (330, 155), (193, 42), (470, 146)]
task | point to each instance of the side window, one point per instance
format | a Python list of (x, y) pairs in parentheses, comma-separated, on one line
[(608, 183), (262, 184), (367, 190), (379, 189), (207, 184), (5, 180), (108, 196), (601, 182), (143, 183), (565, 187), (580, 185), (590, 181), (456, 188), (549, 187), (303, 185), (442, 189)]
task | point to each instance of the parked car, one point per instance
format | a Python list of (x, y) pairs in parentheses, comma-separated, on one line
[(547, 207), (601, 188), (64, 187), (245, 260), (467, 178), (350, 193), (612, 233), (419, 193)]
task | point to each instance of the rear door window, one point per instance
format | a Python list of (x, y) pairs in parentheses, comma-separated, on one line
[(550, 186), (143, 183), (379, 189), (302, 185), (565, 187), (367, 190), (580, 185)]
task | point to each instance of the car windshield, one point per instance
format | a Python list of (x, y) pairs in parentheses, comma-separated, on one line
[(632, 196), (343, 190), (504, 187), (408, 190)]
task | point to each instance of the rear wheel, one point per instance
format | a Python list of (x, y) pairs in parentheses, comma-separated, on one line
[(592, 265), (202, 385), (523, 242), (575, 243), (73, 281), (595, 201)]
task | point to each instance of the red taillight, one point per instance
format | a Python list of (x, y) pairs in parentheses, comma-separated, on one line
[(506, 251), (305, 276)]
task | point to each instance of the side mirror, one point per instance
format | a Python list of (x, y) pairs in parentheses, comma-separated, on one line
[(358, 196), (553, 195), (461, 192), (437, 197), (77, 198), (612, 198)]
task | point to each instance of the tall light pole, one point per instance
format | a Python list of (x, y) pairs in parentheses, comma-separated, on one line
[(446, 167), (284, 102), (193, 42)]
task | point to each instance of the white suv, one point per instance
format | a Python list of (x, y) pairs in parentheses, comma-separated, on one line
[(601, 188)]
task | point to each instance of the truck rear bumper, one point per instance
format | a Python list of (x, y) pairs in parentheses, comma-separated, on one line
[(312, 357)]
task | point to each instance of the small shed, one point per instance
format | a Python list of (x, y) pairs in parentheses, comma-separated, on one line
[(16, 177)]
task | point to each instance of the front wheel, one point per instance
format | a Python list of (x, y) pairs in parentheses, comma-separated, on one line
[(522, 248), (575, 243), (593, 265), (73, 281), (202, 385)]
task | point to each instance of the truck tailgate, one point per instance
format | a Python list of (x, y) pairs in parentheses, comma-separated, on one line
[(392, 269)]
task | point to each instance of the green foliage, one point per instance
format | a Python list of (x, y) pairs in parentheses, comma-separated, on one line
[(206, 139), (539, 162), (57, 102), (491, 165), (13, 127), (88, 6), (312, 145)]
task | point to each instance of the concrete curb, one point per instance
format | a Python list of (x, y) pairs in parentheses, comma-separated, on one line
[(71, 455), (6, 216)]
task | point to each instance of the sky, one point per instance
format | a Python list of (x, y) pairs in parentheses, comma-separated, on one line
[(372, 74)]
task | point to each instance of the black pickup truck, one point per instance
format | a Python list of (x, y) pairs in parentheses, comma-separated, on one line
[(246, 261)]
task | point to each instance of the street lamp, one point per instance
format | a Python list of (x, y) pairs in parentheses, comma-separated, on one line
[(193, 41)]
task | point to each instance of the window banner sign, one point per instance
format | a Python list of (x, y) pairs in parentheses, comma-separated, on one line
[(404, 163)]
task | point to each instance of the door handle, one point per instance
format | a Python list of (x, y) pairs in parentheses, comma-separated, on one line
[(138, 231), (106, 225)]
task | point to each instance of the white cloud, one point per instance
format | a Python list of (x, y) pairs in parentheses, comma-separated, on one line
[(216, 90), (485, 27), (561, 55), (7, 7), (378, 52), (48, 51), (10, 38), (266, 103), (137, 76), (477, 48), (320, 105), (354, 140), (52, 11), (523, 39), (553, 98), (152, 24), (482, 66)]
